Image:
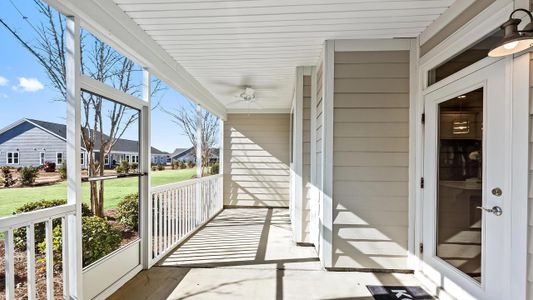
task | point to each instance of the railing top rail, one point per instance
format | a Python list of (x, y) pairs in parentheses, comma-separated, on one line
[(27, 218), (176, 185)]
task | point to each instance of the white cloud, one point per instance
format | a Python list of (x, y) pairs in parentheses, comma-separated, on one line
[(30, 84), (3, 81)]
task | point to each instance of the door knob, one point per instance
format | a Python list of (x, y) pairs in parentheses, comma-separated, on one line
[(496, 210)]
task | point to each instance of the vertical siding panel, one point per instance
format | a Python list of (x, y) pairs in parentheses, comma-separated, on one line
[(530, 223), (306, 170)]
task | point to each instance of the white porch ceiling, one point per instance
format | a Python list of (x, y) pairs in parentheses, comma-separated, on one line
[(227, 45)]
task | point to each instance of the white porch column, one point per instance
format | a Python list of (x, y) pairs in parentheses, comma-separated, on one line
[(73, 274), (198, 163), (145, 160), (221, 163)]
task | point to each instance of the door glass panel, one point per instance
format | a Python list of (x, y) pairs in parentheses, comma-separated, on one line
[(459, 226)]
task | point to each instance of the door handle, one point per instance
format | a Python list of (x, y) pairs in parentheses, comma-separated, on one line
[(496, 210)]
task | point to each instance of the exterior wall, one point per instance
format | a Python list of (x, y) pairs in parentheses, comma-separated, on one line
[(370, 164), (256, 160), (306, 168), (30, 141)]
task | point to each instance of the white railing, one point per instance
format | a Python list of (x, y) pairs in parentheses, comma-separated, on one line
[(46, 217), (179, 209)]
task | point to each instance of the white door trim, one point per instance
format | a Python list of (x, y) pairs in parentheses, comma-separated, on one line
[(455, 283)]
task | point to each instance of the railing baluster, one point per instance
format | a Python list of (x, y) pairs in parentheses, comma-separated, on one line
[(49, 260), (10, 264), (30, 261), (160, 225), (169, 201), (175, 199), (65, 257)]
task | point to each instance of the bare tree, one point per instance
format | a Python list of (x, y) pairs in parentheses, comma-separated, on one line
[(103, 121), (187, 120)]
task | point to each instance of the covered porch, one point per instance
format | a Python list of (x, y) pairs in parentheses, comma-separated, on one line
[(361, 143), (249, 253)]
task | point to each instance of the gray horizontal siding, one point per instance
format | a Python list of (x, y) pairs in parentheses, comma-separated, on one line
[(370, 160), (30, 141), (256, 160)]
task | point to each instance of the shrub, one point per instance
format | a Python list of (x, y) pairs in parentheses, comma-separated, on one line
[(20, 234), (7, 177), (160, 167), (49, 166), (134, 166), (99, 238), (154, 168), (128, 212), (28, 175), (183, 165), (125, 166), (63, 170), (215, 168), (119, 169)]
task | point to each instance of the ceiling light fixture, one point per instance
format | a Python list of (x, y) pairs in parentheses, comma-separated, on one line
[(248, 94), (514, 40)]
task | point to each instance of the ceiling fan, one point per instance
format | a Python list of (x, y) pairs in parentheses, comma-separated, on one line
[(247, 96)]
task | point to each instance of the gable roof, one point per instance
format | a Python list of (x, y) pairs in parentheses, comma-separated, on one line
[(179, 151), (190, 151), (60, 130)]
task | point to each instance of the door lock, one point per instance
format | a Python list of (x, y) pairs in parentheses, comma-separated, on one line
[(496, 210), (497, 192)]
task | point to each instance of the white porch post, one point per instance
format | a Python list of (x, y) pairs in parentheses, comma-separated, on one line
[(73, 274), (145, 160), (198, 163), (221, 162), (327, 155)]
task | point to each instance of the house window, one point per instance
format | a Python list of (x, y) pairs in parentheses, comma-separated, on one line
[(59, 158), (464, 59), (106, 160), (41, 158), (83, 158), (128, 158), (13, 158)]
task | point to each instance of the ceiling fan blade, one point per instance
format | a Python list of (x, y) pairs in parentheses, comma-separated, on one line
[(236, 102)]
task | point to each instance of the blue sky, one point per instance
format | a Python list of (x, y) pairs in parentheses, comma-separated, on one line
[(25, 90)]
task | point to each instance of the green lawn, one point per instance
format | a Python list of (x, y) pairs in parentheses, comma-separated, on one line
[(114, 190)]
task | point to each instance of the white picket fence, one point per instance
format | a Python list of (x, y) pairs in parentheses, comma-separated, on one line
[(29, 220), (179, 209)]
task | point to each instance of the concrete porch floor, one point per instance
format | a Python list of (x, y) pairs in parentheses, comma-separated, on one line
[(249, 254)]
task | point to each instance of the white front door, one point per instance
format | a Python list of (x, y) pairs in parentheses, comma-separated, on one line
[(466, 195)]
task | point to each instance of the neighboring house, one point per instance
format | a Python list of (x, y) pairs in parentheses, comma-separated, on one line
[(189, 154), (30, 142)]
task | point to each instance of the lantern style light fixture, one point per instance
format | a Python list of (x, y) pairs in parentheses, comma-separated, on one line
[(514, 40)]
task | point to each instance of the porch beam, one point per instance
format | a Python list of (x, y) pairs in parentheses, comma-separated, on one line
[(74, 229)]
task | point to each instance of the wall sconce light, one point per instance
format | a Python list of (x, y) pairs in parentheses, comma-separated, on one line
[(514, 40)]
